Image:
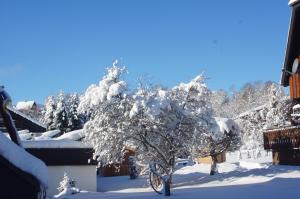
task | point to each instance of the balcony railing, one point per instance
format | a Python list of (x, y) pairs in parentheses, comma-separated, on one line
[(283, 138)]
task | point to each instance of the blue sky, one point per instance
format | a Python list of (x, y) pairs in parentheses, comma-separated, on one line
[(50, 45)]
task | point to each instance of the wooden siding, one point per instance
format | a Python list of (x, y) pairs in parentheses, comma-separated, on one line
[(295, 86), (278, 139), (293, 45), (286, 157)]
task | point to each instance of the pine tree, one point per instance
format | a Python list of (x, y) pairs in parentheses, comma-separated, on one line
[(49, 109), (74, 118), (61, 114)]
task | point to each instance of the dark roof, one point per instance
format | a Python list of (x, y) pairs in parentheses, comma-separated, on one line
[(293, 45), (16, 183), (23, 122), (64, 156)]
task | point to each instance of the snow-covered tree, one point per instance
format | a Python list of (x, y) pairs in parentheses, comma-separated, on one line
[(60, 120), (274, 113), (223, 135), (167, 124), (49, 108), (67, 186), (107, 105), (220, 101), (109, 87), (159, 127), (75, 120)]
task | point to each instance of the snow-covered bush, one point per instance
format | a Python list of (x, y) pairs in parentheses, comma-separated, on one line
[(66, 187)]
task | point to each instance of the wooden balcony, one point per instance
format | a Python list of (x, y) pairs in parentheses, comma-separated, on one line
[(282, 138)]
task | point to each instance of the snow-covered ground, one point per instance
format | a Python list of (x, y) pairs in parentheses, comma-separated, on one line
[(246, 179)]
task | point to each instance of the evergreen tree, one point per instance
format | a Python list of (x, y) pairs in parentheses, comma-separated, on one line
[(49, 109), (74, 118), (61, 114)]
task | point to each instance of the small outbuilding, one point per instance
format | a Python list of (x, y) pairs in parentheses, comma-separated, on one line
[(72, 157)]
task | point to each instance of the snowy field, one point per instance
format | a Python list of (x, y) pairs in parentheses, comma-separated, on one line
[(247, 178)]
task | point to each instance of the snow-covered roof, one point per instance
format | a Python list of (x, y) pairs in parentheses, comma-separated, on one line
[(25, 105), (54, 144), (282, 128), (48, 135), (250, 111), (23, 160), (292, 2), (73, 135), (26, 117)]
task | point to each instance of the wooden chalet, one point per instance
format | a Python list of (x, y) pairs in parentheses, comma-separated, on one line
[(285, 142), (22, 122)]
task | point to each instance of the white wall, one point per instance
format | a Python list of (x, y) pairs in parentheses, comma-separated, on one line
[(85, 177)]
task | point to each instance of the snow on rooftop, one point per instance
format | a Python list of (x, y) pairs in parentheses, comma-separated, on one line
[(25, 105), (53, 144), (25, 116), (23, 160), (73, 135), (292, 2), (48, 135), (282, 128), (246, 113)]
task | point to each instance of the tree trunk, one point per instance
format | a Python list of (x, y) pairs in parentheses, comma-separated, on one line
[(213, 168), (167, 185)]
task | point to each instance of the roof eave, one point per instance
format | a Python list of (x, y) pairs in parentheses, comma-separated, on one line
[(293, 2)]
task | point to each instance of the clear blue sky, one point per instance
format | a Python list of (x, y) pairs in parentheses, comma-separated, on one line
[(50, 45)]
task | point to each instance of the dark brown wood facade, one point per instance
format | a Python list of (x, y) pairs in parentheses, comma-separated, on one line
[(293, 45), (22, 122), (286, 157), (285, 145), (295, 86), (277, 139)]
